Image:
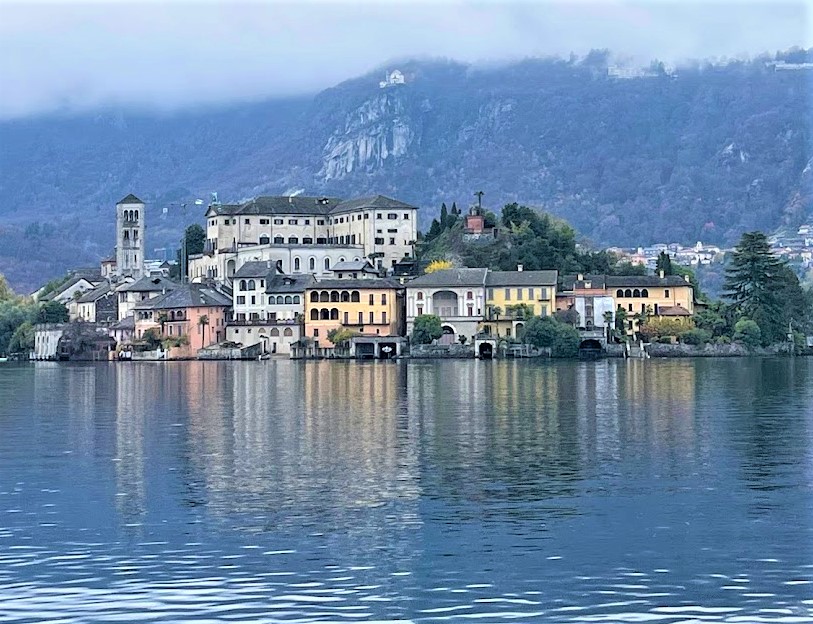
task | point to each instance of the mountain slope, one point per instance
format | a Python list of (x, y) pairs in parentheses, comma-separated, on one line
[(705, 154)]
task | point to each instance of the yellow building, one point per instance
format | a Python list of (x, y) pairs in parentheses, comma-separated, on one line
[(513, 296), (369, 307)]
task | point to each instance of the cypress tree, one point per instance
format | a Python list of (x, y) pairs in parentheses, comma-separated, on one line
[(444, 216)]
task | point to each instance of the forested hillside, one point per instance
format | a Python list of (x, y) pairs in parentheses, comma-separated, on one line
[(704, 153)]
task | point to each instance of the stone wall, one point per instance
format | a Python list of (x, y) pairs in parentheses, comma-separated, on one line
[(441, 351), (710, 350)]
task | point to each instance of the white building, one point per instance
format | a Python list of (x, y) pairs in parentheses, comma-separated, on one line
[(395, 77), (307, 234), (147, 287), (46, 340), (457, 296), (130, 231)]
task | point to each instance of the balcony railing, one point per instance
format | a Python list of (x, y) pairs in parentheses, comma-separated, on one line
[(264, 322)]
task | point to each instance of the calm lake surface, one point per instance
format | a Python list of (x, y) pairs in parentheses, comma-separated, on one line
[(662, 491)]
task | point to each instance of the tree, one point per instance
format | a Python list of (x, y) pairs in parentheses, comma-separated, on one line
[(340, 335), (520, 310), (152, 338), (434, 230), (762, 288), (621, 320), (52, 312), (748, 332), (426, 328), (540, 331), (569, 316), (444, 216), (664, 263), (695, 336), (6, 293), (22, 341), (566, 343), (194, 240), (438, 265), (203, 323)]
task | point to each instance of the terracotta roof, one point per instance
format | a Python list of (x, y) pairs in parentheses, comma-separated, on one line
[(677, 310)]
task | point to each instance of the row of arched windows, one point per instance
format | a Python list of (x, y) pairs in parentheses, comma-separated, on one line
[(324, 314), (336, 296), (247, 285), (275, 332), (131, 215), (632, 294), (283, 300), (292, 240)]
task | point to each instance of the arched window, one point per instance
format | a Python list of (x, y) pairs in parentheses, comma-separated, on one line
[(264, 240), (312, 264), (334, 314), (645, 293), (251, 284), (334, 295), (341, 259), (274, 332), (327, 264), (297, 264), (324, 314), (345, 296), (136, 215), (296, 299), (293, 240), (314, 296), (619, 293), (355, 297), (469, 295), (324, 296), (628, 293), (289, 299), (636, 293), (420, 296), (314, 314), (242, 284), (307, 240), (288, 332), (353, 239), (278, 240)]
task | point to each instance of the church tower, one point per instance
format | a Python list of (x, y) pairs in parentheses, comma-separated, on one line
[(130, 237)]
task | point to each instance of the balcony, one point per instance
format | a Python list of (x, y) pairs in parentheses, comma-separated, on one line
[(261, 322)]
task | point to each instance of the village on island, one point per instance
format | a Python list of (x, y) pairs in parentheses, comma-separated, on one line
[(323, 277)]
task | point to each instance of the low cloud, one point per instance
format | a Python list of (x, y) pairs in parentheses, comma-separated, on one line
[(170, 55)]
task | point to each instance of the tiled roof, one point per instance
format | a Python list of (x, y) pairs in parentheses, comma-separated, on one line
[(128, 322), (187, 296), (623, 281), (130, 199), (354, 265), (149, 283), (289, 283), (521, 278), (677, 310), (97, 293), (356, 284), (451, 278), (256, 268), (306, 206)]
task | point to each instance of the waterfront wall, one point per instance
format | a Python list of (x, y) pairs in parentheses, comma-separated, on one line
[(441, 351), (712, 350)]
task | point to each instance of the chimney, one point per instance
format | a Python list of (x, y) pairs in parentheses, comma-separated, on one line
[(661, 273), (268, 264), (519, 267), (686, 277), (580, 278)]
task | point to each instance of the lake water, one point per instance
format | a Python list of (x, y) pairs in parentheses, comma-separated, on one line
[(612, 491)]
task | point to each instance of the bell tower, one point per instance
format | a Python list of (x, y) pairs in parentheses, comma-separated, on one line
[(130, 237)]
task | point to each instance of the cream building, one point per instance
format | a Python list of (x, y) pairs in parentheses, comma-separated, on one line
[(307, 234)]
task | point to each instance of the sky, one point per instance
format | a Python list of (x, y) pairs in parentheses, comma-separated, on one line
[(172, 54)]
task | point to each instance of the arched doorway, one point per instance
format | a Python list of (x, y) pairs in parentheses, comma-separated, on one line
[(448, 337), (486, 351), (230, 268), (590, 349), (519, 330), (444, 303)]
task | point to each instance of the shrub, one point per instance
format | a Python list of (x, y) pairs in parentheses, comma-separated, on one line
[(438, 265), (695, 337), (540, 331), (426, 328), (566, 342), (747, 332)]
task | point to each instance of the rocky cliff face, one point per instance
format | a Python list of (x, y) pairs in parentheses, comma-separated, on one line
[(373, 134)]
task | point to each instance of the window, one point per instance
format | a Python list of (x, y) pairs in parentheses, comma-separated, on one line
[(519, 294), (334, 314), (355, 297), (383, 298), (645, 293), (320, 222), (316, 333), (247, 221), (345, 321), (291, 221), (420, 310), (420, 296), (314, 297), (469, 295), (297, 264), (379, 241), (242, 284), (277, 221), (619, 293), (296, 299), (307, 240), (264, 240), (288, 332), (531, 294), (383, 318), (361, 318), (372, 299), (406, 216), (628, 293), (508, 294), (307, 221), (345, 294), (263, 221), (392, 216), (312, 264), (471, 310), (253, 300), (372, 318), (288, 300), (656, 309), (666, 292), (630, 307), (251, 284), (392, 231), (378, 215), (636, 294), (366, 215), (314, 314), (327, 264), (274, 332), (293, 240), (321, 241), (278, 240), (392, 241)]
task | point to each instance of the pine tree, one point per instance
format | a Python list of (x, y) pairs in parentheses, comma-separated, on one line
[(434, 230), (753, 283), (455, 209), (444, 216), (664, 263)]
